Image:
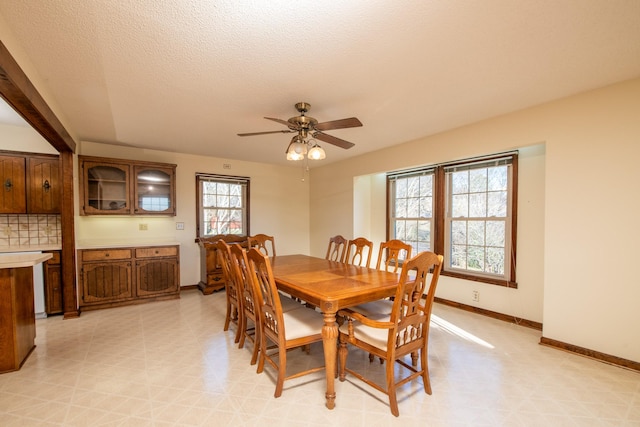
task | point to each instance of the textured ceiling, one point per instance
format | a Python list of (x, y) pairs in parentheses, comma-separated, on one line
[(188, 75)]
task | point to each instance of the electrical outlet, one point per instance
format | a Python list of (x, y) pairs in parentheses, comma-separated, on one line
[(475, 296), (143, 227), (179, 225)]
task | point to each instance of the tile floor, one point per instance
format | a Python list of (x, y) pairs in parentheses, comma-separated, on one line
[(169, 363)]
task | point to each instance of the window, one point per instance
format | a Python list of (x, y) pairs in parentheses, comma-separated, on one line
[(464, 210), (412, 212), (223, 205)]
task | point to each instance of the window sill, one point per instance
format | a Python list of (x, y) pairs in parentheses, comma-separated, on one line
[(489, 280)]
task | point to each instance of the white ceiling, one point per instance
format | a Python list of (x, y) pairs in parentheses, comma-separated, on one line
[(188, 75)]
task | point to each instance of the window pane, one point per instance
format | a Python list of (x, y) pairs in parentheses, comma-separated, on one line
[(498, 178), (459, 256), (401, 208), (400, 227), (413, 186), (460, 206), (426, 185), (495, 261), (478, 180), (426, 207), (475, 258), (476, 233), (459, 232), (460, 182), (401, 188), (413, 207), (497, 202), (411, 231), (477, 205), (424, 236), (496, 233)]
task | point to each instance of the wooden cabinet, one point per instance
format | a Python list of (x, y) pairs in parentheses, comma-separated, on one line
[(116, 276), (13, 193), (156, 271), (211, 278), (30, 184), (43, 185), (53, 285), (123, 187)]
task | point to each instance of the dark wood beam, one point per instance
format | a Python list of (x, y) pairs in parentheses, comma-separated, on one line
[(21, 94)]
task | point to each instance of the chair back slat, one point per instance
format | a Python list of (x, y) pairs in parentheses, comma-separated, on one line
[(356, 251), (336, 250), (392, 253), (264, 243)]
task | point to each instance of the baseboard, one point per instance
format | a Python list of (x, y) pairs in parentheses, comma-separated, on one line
[(189, 288), (504, 317), (592, 354)]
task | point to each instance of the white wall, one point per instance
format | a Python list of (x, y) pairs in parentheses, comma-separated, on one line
[(25, 139), (279, 205), (578, 199)]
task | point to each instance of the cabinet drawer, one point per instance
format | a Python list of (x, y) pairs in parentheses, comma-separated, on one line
[(160, 251), (105, 254)]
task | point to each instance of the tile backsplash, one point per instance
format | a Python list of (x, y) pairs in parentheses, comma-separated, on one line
[(23, 230)]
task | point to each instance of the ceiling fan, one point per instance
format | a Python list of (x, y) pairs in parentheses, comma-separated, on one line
[(307, 127)]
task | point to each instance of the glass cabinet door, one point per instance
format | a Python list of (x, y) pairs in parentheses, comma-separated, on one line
[(154, 193), (107, 188)]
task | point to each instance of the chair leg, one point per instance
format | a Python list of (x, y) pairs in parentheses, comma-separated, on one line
[(239, 322), (414, 358), (228, 317), (282, 370), (391, 388), (342, 359), (243, 330), (257, 342), (425, 371)]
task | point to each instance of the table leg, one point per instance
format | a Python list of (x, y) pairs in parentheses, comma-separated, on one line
[(329, 342)]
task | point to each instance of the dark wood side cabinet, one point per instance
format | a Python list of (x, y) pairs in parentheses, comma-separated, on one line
[(211, 279), (126, 187), (30, 183), (117, 276), (53, 284)]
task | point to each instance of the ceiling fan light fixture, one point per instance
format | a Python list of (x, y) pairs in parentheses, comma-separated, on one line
[(317, 153)]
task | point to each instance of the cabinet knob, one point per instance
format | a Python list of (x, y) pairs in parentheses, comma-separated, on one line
[(46, 186), (8, 184), (107, 254)]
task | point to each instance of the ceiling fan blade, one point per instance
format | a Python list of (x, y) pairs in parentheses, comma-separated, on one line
[(282, 122), (333, 140), (351, 122), (265, 133)]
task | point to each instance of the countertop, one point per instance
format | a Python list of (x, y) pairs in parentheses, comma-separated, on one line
[(116, 243), (16, 260), (29, 248)]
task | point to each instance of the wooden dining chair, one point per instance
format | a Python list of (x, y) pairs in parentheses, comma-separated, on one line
[(336, 250), (265, 244), (285, 330), (404, 332), (249, 316), (356, 250), (232, 289), (392, 253)]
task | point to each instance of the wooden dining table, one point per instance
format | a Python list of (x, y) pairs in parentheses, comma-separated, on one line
[(331, 286)]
